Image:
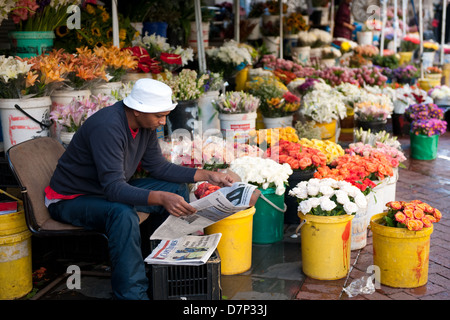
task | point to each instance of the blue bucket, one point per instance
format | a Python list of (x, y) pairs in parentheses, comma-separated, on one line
[(27, 44), (159, 28)]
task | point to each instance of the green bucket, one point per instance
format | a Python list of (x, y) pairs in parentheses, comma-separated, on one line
[(423, 147), (27, 44), (268, 221)]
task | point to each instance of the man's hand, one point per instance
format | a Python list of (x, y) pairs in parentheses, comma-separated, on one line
[(173, 203), (216, 178)]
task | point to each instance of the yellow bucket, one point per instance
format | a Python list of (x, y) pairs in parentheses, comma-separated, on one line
[(328, 130), (401, 254), (15, 254), (326, 242), (405, 57), (241, 79), (235, 246)]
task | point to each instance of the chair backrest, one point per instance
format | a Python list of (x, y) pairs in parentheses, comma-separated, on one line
[(33, 163)]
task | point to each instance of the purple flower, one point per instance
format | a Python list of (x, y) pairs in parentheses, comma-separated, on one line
[(429, 127)]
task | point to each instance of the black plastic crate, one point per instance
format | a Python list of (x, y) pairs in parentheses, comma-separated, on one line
[(173, 282), (7, 178)]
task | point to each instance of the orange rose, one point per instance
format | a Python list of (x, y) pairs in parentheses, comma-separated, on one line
[(414, 225), (409, 212), (426, 221), (400, 217), (396, 205), (437, 214), (418, 213)]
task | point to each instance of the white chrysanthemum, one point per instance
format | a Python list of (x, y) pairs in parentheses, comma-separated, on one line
[(326, 204), (350, 207), (304, 207)]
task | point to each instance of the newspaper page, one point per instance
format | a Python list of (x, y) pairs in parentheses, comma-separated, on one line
[(210, 209), (188, 250)]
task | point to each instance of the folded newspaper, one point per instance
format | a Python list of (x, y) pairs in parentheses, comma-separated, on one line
[(210, 209), (188, 250)]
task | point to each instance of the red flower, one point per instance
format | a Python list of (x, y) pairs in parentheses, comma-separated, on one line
[(171, 58)]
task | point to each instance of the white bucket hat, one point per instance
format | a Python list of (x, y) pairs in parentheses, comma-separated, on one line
[(150, 96)]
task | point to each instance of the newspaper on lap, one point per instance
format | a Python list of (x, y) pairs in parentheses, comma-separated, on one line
[(210, 209), (188, 250)]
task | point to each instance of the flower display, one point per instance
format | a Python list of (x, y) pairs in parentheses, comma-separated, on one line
[(423, 111), (297, 156), (236, 102), (433, 70), (429, 127), (294, 23), (439, 92), (405, 74), (394, 155), (413, 215), (377, 166), (331, 149), (429, 46), (328, 197), (33, 15), (269, 136), (117, 61), (409, 43), (372, 111), (262, 172), (354, 177), (145, 63), (73, 115), (228, 58), (186, 85)]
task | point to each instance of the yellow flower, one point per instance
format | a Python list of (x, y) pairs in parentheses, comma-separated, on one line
[(105, 16), (122, 34), (345, 46), (90, 9)]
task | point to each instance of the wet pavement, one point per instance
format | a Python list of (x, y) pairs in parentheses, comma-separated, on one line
[(276, 273)]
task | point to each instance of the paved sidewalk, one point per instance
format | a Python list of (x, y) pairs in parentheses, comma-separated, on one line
[(428, 181)]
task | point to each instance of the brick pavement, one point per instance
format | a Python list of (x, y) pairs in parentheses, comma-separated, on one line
[(428, 181)]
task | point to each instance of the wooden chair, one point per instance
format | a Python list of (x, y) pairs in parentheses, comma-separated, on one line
[(33, 163)]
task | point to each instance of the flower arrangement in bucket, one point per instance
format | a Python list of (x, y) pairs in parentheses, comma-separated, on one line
[(117, 61), (31, 77), (327, 208), (298, 157), (401, 242), (232, 102), (331, 149), (294, 23), (370, 111), (426, 127), (145, 63), (73, 115), (186, 85), (405, 74)]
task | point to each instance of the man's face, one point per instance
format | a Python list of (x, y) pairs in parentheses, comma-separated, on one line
[(152, 120)]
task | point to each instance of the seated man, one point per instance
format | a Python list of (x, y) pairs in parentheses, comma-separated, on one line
[(91, 185)]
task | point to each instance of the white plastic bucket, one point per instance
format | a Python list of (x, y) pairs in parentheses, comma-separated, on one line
[(106, 88), (272, 44), (391, 187), (193, 35), (364, 37), (238, 124), (17, 126), (207, 114), (375, 200), (256, 32), (278, 122), (300, 55), (428, 59), (64, 97), (359, 230)]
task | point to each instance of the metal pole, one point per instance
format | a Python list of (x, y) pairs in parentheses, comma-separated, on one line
[(383, 24), (395, 26), (200, 48), (281, 29), (332, 17), (237, 18), (115, 24), (444, 13), (421, 38), (404, 11)]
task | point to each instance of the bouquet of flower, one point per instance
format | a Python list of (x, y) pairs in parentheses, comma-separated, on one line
[(305, 86), (383, 137), (236, 102), (34, 15), (330, 53), (264, 173), (372, 111), (424, 111), (429, 127), (369, 75), (228, 58), (368, 51), (334, 76), (414, 215), (405, 74), (117, 61), (256, 9), (306, 39), (269, 136), (266, 89), (308, 130), (273, 7), (85, 69), (73, 115), (271, 62), (294, 23), (145, 64), (297, 156), (394, 155), (187, 85), (409, 44), (354, 177), (331, 149), (323, 104), (214, 81), (328, 197), (323, 38), (429, 46), (439, 92), (375, 167), (37, 76), (433, 70)]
